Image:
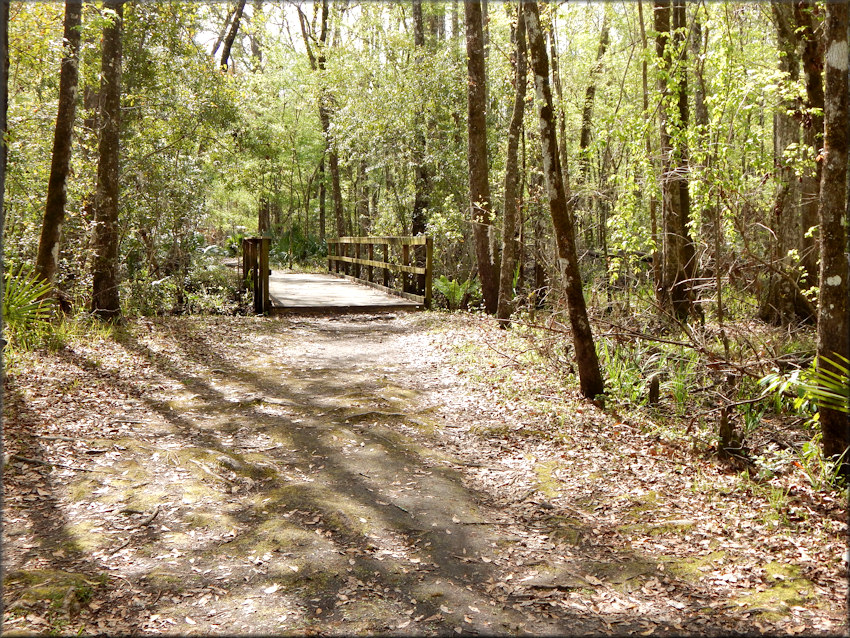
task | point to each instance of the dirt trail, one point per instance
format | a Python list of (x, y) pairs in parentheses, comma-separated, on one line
[(297, 476)]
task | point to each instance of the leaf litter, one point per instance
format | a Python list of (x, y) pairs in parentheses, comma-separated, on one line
[(227, 474)]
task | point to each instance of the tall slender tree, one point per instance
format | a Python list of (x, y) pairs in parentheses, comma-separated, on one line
[(479, 185), (231, 34), (678, 263), (590, 375), (511, 229), (105, 299), (807, 24), (421, 177), (54, 210), (834, 300)]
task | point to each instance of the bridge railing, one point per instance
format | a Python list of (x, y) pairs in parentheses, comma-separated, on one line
[(255, 270), (398, 265)]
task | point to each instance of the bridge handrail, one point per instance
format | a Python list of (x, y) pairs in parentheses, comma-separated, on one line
[(413, 269)]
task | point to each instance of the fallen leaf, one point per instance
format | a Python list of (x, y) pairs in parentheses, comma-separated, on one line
[(190, 621), (272, 589)]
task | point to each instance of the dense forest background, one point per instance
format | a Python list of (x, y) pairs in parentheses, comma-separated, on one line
[(697, 147)]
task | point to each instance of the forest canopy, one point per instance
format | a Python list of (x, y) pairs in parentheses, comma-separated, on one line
[(690, 179)]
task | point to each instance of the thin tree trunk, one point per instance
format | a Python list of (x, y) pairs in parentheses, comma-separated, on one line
[(653, 201), (812, 59), (54, 210), (422, 178), (105, 300), (4, 105), (231, 35), (511, 232), (479, 186), (322, 198), (223, 32), (590, 375), (778, 305), (833, 307)]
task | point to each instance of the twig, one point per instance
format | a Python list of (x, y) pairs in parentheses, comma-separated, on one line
[(149, 519)]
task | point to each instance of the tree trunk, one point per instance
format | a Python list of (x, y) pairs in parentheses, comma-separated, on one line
[(678, 265), (510, 234), (105, 301), (479, 186), (590, 376), (4, 105), (805, 13), (54, 210), (778, 305), (653, 201), (322, 198), (833, 310), (422, 178), (231, 35), (223, 32)]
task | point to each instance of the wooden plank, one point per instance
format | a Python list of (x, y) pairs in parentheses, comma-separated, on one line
[(392, 291), (418, 240), (415, 270)]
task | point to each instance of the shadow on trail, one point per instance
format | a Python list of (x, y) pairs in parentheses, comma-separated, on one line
[(296, 497)]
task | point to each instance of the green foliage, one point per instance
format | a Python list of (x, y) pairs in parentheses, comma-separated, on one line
[(824, 385), (455, 292), (27, 310)]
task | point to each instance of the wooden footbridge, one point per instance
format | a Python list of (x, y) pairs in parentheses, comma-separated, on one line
[(365, 274)]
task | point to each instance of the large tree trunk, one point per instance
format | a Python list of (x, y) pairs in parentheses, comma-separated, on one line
[(812, 58), (105, 301), (590, 376), (510, 234), (833, 309), (231, 35), (479, 186), (678, 265), (54, 210)]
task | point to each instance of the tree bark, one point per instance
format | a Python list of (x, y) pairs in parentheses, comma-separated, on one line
[(54, 210), (105, 300), (317, 63), (590, 376), (223, 31), (653, 200), (231, 35), (778, 306), (805, 13), (479, 186), (422, 178), (678, 265), (833, 310), (510, 234)]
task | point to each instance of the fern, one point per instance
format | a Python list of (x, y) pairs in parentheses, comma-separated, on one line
[(26, 308)]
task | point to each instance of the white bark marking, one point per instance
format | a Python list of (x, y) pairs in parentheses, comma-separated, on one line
[(835, 280), (836, 56)]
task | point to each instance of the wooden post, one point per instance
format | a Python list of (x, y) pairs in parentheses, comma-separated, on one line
[(358, 270), (386, 261), (245, 264), (371, 258), (263, 267), (429, 269), (405, 260)]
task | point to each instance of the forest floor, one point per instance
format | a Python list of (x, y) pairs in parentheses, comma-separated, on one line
[(379, 474)]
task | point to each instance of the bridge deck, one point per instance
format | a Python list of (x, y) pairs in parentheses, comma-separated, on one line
[(309, 292)]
